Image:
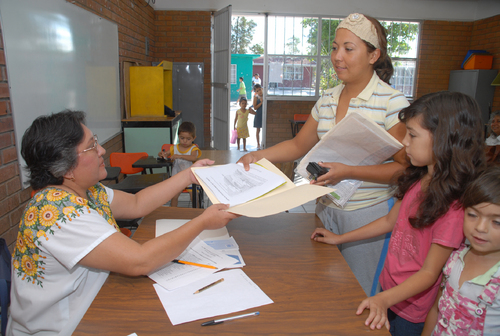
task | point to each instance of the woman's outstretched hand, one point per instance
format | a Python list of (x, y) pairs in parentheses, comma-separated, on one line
[(246, 160)]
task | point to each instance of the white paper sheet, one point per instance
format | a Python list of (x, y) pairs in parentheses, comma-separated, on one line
[(166, 225), (174, 275), (236, 293), (232, 185)]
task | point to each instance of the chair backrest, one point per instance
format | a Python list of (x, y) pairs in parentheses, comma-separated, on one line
[(300, 117), (125, 161), (166, 147)]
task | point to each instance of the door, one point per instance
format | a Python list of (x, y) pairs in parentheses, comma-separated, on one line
[(221, 78), (187, 85)]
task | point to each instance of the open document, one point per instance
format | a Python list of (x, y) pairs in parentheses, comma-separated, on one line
[(355, 141), (279, 196)]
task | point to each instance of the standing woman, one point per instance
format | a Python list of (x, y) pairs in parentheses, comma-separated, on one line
[(68, 240), (257, 106), (359, 57)]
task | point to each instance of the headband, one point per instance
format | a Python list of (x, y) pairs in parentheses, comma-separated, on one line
[(360, 26)]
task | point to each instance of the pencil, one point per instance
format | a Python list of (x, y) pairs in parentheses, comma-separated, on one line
[(208, 286), (193, 264)]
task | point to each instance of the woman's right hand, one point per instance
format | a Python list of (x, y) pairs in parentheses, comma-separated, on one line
[(246, 160), (324, 236), (216, 216)]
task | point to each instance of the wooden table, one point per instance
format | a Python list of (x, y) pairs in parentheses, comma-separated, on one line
[(221, 156), (313, 289)]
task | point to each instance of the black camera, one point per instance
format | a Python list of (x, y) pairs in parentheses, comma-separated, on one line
[(315, 170)]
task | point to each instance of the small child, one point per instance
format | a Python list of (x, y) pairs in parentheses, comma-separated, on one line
[(470, 300), (242, 119), (242, 91), (183, 154), (444, 143)]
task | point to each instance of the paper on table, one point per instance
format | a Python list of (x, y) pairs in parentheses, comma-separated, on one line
[(166, 225), (238, 292), (232, 185), (285, 197), (174, 275), (208, 236)]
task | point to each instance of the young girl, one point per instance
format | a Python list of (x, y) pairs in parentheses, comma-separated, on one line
[(473, 272), (443, 142), (242, 119)]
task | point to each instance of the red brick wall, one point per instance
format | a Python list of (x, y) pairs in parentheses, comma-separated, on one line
[(279, 114), (486, 36), (443, 48), (186, 37)]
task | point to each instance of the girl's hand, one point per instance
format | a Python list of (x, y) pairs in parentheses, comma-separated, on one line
[(216, 216), (378, 311), (337, 172), (324, 236)]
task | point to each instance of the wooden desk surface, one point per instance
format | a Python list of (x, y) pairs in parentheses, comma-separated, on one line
[(313, 289), (222, 156)]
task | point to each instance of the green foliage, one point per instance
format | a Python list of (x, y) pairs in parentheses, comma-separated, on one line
[(399, 37), (242, 31), (257, 49), (292, 46)]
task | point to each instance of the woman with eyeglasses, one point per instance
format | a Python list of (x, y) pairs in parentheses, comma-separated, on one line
[(68, 240)]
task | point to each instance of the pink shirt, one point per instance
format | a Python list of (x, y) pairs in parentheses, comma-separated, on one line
[(408, 249)]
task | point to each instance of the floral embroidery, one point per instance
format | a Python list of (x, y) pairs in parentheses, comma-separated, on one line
[(47, 213)]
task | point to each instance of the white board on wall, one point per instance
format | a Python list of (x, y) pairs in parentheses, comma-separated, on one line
[(60, 56)]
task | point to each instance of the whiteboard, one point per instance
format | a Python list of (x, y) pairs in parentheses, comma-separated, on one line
[(60, 56)]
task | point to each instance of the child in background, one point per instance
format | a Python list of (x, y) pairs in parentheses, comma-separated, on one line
[(242, 91), (257, 105), (470, 300), (183, 154), (242, 119), (443, 142)]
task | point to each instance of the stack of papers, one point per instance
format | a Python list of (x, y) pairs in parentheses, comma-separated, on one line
[(354, 141), (176, 284)]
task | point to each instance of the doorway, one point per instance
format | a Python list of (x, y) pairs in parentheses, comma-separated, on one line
[(247, 59)]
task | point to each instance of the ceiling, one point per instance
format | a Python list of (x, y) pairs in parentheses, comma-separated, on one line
[(448, 10)]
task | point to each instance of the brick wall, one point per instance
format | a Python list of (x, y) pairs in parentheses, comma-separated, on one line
[(486, 36), (279, 114), (443, 48), (185, 37)]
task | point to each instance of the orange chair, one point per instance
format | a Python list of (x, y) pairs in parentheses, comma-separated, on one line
[(125, 162), (166, 148)]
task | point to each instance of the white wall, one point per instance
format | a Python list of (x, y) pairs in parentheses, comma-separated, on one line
[(448, 10)]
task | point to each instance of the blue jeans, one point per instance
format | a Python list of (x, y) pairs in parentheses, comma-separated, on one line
[(402, 327)]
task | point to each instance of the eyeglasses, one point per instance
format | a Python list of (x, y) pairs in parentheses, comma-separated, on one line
[(91, 148)]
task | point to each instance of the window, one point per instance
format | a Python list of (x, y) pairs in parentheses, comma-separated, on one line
[(299, 55), (233, 73)]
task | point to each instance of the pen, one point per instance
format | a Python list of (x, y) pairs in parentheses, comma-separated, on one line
[(192, 263), (208, 286), (219, 321)]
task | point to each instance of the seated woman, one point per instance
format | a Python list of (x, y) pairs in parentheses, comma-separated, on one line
[(68, 240), (493, 140)]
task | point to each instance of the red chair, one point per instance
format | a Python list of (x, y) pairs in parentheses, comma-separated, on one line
[(298, 119), (125, 162)]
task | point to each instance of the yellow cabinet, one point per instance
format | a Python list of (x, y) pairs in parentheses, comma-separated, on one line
[(150, 89)]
